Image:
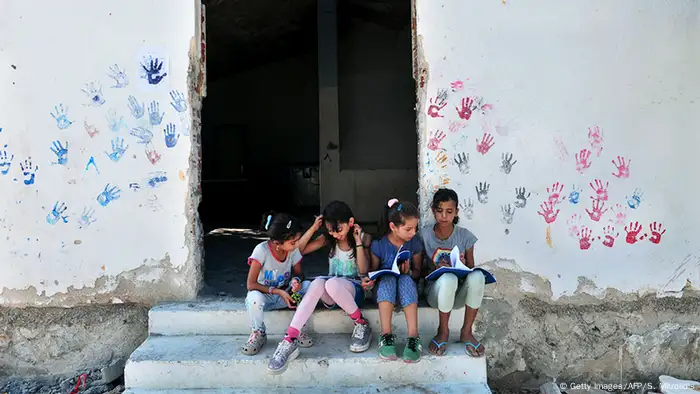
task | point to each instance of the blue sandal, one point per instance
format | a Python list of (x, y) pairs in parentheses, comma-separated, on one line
[(440, 349), (475, 354)]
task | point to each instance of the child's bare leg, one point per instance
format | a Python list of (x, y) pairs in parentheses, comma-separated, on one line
[(411, 313), (386, 310), (441, 295)]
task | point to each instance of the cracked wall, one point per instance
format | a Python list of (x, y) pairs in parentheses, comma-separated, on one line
[(100, 158), (564, 129)]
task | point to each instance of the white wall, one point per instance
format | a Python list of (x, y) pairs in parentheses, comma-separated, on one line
[(552, 70), (139, 246)]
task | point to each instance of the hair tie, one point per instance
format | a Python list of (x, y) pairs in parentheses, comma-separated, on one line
[(269, 219), (289, 224), (399, 208), (392, 202)]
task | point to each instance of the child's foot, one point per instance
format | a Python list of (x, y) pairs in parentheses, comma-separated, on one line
[(286, 352), (361, 337), (387, 347), (438, 345), (304, 340), (472, 347), (256, 341), (413, 350)]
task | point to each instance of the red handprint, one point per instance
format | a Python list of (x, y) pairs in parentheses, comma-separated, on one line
[(633, 232), (582, 158), (595, 138), (656, 232), (152, 155), (608, 232), (600, 191), (435, 140), (485, 144), (548, 212), (598, 211), (555, 196), (467, 107), (623, 168), (436, 105), (457, 86), (585, 239)]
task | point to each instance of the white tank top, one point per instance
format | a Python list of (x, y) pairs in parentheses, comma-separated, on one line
[(342, 264)]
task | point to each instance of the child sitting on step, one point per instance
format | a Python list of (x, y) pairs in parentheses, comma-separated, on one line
[(272, 264), (447, 292), (398, 228), (344, 287)]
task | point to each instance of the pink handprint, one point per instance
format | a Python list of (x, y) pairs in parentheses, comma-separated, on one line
[(609, 238), (436, 105), (456, 126), (632, 232), (467, 106), (582, 160), (595, 138), (555, 195), (548, 212), (485, 144), (598, 210), (656, 232), (573, 225), (585, 239), (435, 140), (620, 214), (623, 167), (457, 86), (152, 155), (600, 190)]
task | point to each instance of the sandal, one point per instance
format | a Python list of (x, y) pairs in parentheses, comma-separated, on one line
[(441, 348), (474, 352)]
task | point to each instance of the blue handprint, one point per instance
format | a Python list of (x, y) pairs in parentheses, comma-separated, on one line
[(56, 213), (154, 115), (153, 68), (5, 161), (119, 76), (575, 195), (86, 218), (60, 152), (636, 199), (114, 121), (94, 92), (136, 109), (108, 195), (170, 136), (143, 134), (157, 178), (61, 116), (29, 171), (179, 102), (118, 149)]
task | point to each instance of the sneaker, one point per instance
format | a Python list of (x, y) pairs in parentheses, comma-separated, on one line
[(256, 341), (304, 340), (361, 337), (286, 352), (387, 347), (413, 350)]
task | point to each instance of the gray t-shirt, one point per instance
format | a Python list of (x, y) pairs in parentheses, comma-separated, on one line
[(436, 248)]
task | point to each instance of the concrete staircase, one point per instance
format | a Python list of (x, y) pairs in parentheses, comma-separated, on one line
[(194, 348)]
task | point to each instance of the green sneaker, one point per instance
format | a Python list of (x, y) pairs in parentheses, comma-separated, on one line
[(387, 347), (413, 350)]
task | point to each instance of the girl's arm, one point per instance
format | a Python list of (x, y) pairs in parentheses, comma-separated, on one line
[(314, 245), (362, 254), (252, 281), (297, 271), (304, 246), (416, 262), (374, 262), (469, 257)]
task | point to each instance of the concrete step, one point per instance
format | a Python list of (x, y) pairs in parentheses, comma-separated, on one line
[(214, 362), (371, 389), (231, 318)]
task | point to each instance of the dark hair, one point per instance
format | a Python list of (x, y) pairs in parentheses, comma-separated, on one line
[(335, 214), (280, 226), (445, 195), (396, 212)]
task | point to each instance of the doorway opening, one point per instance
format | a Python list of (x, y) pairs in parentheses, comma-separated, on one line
[(260, 121)]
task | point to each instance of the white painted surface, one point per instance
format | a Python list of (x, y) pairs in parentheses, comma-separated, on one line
[(671, 385), (231, 318), (551, 71), (216, 362), (47, 55), (370, 389)]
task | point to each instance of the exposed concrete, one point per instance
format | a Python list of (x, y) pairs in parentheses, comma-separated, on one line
[(62, 341), (371, 389), (202, 361)]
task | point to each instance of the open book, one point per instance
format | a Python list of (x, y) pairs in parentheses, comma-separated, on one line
[(458, 268), (402, 256)]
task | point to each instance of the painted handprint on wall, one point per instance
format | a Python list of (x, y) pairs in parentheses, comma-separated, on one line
[(28, 171), (436, 105), (5, 161), (547, 212), (575, 195), (118, 149), (137, 110), (462, 161), (153, 70), (144, 135), (656, 230), (609, 236), (555, 195), (600, 190), (108, 195), (583, 160), (441, 159), (485, 145), (508, 213), (90, 129), (119, 76), (636, 199), (60, 114), (620, 213), (56, 213), (465, 111), (435, 140), (152, 155), (482, 192), (595, 139), (521, 198), (171, 136), (507, 162), (93, 91), (60, 151), (623, 167), (597, 210), (155, 179), (573, 224), (633, 230), (179, 102), (467, 207), (585, 238), (86, 218), (154, 114), (114, 121)]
